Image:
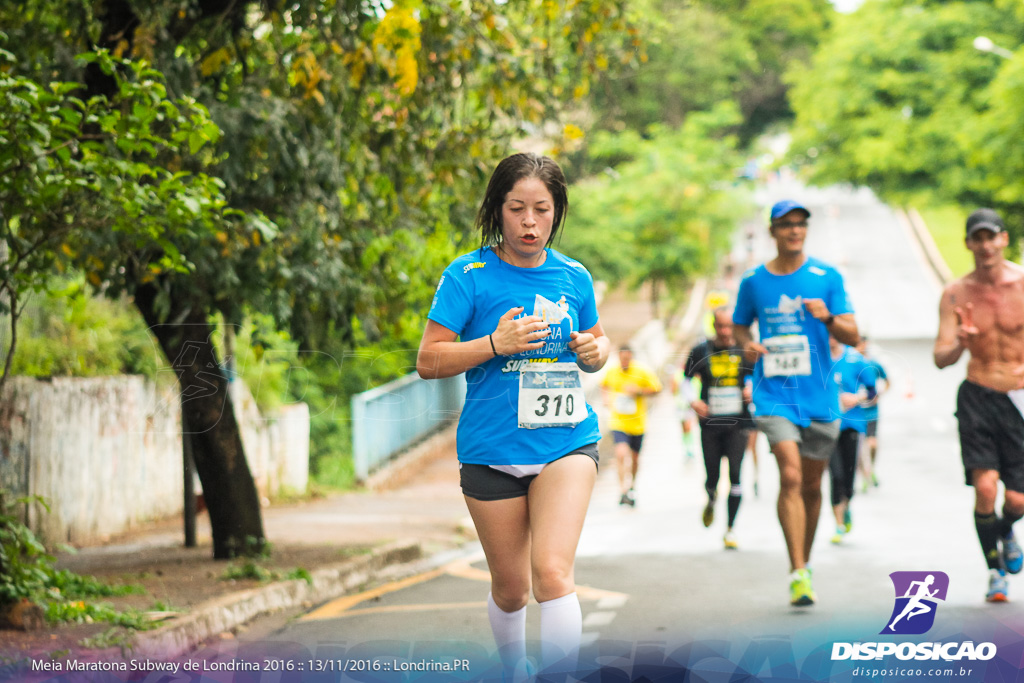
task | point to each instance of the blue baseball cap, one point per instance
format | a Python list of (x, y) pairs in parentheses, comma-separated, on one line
[(780, 209)]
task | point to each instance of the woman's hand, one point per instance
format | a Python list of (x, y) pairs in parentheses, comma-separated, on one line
[(591, 350), (515, 335)]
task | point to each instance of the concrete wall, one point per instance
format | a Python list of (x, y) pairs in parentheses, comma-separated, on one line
[(106, 452)]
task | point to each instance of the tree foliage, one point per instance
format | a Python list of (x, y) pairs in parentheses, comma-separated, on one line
[(349, 141), (86, 182), (666, 211), (700, 54), (898, 99)]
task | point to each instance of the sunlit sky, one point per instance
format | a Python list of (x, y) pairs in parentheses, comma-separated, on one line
[(846, 5)]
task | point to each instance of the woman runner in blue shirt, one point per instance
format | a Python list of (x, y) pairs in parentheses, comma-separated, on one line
[(520, 319)]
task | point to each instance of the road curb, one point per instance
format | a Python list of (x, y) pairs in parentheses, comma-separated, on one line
[(931, 250), (228, 612)]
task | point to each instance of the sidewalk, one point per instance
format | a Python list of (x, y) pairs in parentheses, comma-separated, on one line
[(335, 544)]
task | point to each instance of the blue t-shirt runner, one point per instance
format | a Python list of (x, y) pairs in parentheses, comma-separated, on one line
[(475, 291), (871, 412), (793, 380), (854, 374)]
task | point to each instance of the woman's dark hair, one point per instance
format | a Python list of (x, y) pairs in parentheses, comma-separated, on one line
[(510, 171)]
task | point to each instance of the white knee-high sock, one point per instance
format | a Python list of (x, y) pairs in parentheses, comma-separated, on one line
[(561, 628), (509, 629)]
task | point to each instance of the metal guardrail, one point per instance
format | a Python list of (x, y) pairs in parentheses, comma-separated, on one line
[(394, 416)]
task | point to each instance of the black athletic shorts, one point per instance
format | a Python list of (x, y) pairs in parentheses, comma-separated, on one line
[(872, 428), (991, 434), (635, 441), (483, 482)]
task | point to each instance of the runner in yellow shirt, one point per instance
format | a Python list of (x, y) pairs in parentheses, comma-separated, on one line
[(625, 390)]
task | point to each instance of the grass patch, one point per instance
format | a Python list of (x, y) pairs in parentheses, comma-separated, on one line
[(120, 638), (81, 612), (946, 225), (334, 473), (63, 596), (251, 571)]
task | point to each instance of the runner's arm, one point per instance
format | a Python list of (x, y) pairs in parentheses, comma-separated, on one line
[(948, 344), (751, 349), (441, 356), (844, 328), (591, 341), (653, 384)]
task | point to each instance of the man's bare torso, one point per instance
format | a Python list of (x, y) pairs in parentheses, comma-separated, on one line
[(997, 311)]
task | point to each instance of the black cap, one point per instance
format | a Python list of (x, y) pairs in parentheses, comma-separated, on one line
[(984, 219)]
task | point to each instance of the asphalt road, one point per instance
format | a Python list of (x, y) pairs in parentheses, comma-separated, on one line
[(653, 580)]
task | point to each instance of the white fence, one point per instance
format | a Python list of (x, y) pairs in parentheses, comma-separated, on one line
[(106, 452)]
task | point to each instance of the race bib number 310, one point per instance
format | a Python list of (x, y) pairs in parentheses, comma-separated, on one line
[(788, 355), (551, 395)]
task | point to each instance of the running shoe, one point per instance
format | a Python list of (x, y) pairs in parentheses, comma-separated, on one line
[(1013, 556), (837, 537), (523, 672), (997, 586), (874, 480), (730, 541), (800, 592), (631, 498), (709, 514), (624, 499), (848, 520)]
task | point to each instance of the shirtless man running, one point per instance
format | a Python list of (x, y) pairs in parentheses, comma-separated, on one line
[(983, 313)]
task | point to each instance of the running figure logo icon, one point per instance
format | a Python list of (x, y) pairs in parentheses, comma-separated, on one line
[(917, 596)]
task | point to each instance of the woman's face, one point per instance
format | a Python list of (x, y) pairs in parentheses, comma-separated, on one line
[(526, 219)]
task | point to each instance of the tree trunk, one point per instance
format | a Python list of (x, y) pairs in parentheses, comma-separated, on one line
[(228, 486), (655, 296)]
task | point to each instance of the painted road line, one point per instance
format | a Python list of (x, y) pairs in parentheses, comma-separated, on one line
[(598, 619), (612, 601), (461, 568), (394, 609), (335, 608)]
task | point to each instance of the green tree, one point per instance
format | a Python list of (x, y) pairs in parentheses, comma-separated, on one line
[(898, 99), (94, 185), (699, 54), (666, 215), (995, 141), (353, 132)]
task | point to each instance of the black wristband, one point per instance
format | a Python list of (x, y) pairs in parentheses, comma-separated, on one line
[(829, 320), (490, 338)]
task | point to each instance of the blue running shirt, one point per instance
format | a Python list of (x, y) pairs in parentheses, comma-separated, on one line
[(852, 372), (474, 292), (871, 412), (800, 342)]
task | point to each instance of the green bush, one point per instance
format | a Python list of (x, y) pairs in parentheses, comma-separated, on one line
[(65, 332), (27, 572)]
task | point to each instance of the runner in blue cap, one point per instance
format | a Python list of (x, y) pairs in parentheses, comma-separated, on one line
[(797, 302)]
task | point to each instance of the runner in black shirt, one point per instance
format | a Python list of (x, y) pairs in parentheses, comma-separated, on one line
[(722, 409)]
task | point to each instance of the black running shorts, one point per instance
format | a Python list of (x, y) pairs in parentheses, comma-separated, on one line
[(483, 482), (635, 441), (991, 434)]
